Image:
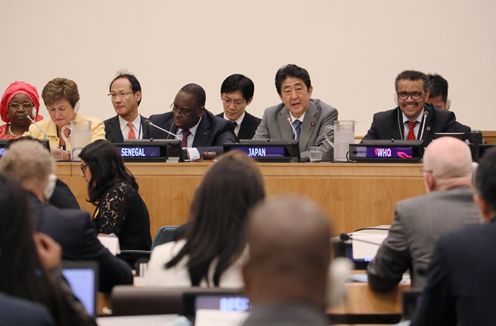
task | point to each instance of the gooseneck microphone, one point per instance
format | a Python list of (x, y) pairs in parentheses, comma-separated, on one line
[(37, 126), (349, 236), (292, 127), (147, 122)]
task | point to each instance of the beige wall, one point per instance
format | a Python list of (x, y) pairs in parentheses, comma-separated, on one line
[(353, 49)]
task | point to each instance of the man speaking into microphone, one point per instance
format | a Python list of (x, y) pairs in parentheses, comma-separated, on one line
[(199, 130), (413, 119), (299, 116)]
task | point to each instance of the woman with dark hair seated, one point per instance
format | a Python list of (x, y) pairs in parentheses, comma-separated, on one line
[(214, 248), (113, 190), (29, 263)]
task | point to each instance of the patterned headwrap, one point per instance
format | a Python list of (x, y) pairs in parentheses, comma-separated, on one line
[(16, 88)]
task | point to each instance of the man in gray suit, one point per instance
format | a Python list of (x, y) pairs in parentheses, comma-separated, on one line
[(420, 221), (286, 276), (298, 116)]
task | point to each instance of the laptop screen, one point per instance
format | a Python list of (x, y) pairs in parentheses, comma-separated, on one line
[(83, 279)]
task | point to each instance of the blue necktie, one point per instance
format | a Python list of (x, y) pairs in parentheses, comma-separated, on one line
[(297, 127)]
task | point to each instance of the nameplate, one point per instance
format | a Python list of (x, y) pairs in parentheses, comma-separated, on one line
[(267, 151), (151, 150), (386, 152)]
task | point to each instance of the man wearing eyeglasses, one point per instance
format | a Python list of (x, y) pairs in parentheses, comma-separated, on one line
[(412, 119), (298, 117), (237, 93), (198, 129), (125, 94)]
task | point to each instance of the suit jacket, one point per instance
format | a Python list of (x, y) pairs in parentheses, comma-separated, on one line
[(285, 314), (460, 282), (113, 130), (73, 230), (248, 126), (275, 125), (212, 132), (418, 223), (20, 312), (390, 125)]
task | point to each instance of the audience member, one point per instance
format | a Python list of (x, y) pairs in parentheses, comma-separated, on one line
[(213, 251), (114, 191), (19, 101), (21, 312), (298, 116), (30, 164), (125, 93), (419, 221), (237, 93), (29, 263), (460, 282), (438, 92), (61, 97), (412, 119), (199, 130), (287, 273)]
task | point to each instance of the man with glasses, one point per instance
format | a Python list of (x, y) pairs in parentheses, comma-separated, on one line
[(299, 116), (420, 221), (199, 130), (125, 94), (412, 119), (237, 93)]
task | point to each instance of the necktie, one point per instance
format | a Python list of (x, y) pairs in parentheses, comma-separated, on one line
[(297, 127), (131, 134), (184, 141), (411, 130)]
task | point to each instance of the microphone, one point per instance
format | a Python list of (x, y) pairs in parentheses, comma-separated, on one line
[(292, 127), (350, 236), (37, 126), (147, 122), (426, 113)]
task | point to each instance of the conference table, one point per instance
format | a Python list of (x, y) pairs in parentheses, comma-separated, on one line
[(354, 195)]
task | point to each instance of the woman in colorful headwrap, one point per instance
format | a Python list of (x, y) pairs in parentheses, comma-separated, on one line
[(19, 101)]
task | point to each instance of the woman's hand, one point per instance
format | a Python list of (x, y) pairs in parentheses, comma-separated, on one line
[(60, 154), (49, 251)]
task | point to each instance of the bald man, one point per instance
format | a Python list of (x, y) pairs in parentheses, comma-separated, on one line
[(419, 221), (286, 274)]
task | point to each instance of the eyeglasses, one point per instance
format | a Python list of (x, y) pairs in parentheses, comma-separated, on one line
[(25, 106), (413, 95), (83, 167), (237, 102), (119, 95), (181, 110)]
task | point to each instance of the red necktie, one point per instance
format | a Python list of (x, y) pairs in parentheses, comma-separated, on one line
[(184, 141), (411, 130), (131, 134)]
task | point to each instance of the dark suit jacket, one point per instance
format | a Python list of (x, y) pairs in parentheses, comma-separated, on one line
[(63, 197), (390, 125), (460, 282), (248, 126), (73, 230), (113, 131), (20, 312), (212, 133)]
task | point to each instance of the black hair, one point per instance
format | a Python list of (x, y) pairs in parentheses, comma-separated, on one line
[(412, 75), (438, 86), (230, 188), (292, 71), (107, 168), (197, 91), (485, 178), (135, 84), (238, 82)]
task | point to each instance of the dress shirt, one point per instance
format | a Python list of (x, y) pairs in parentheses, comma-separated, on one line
[(137, 127)]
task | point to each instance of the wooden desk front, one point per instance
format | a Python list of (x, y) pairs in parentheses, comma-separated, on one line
[(355, 195)]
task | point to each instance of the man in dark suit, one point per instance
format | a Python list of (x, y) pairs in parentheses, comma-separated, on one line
[(199, 130), (419, 221), (30, 164), (287, 273), (125, 93), (460, 282), (412, 119), (237, 93), (20, 312)]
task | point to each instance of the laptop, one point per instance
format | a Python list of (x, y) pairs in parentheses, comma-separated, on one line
[(83, 279)]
